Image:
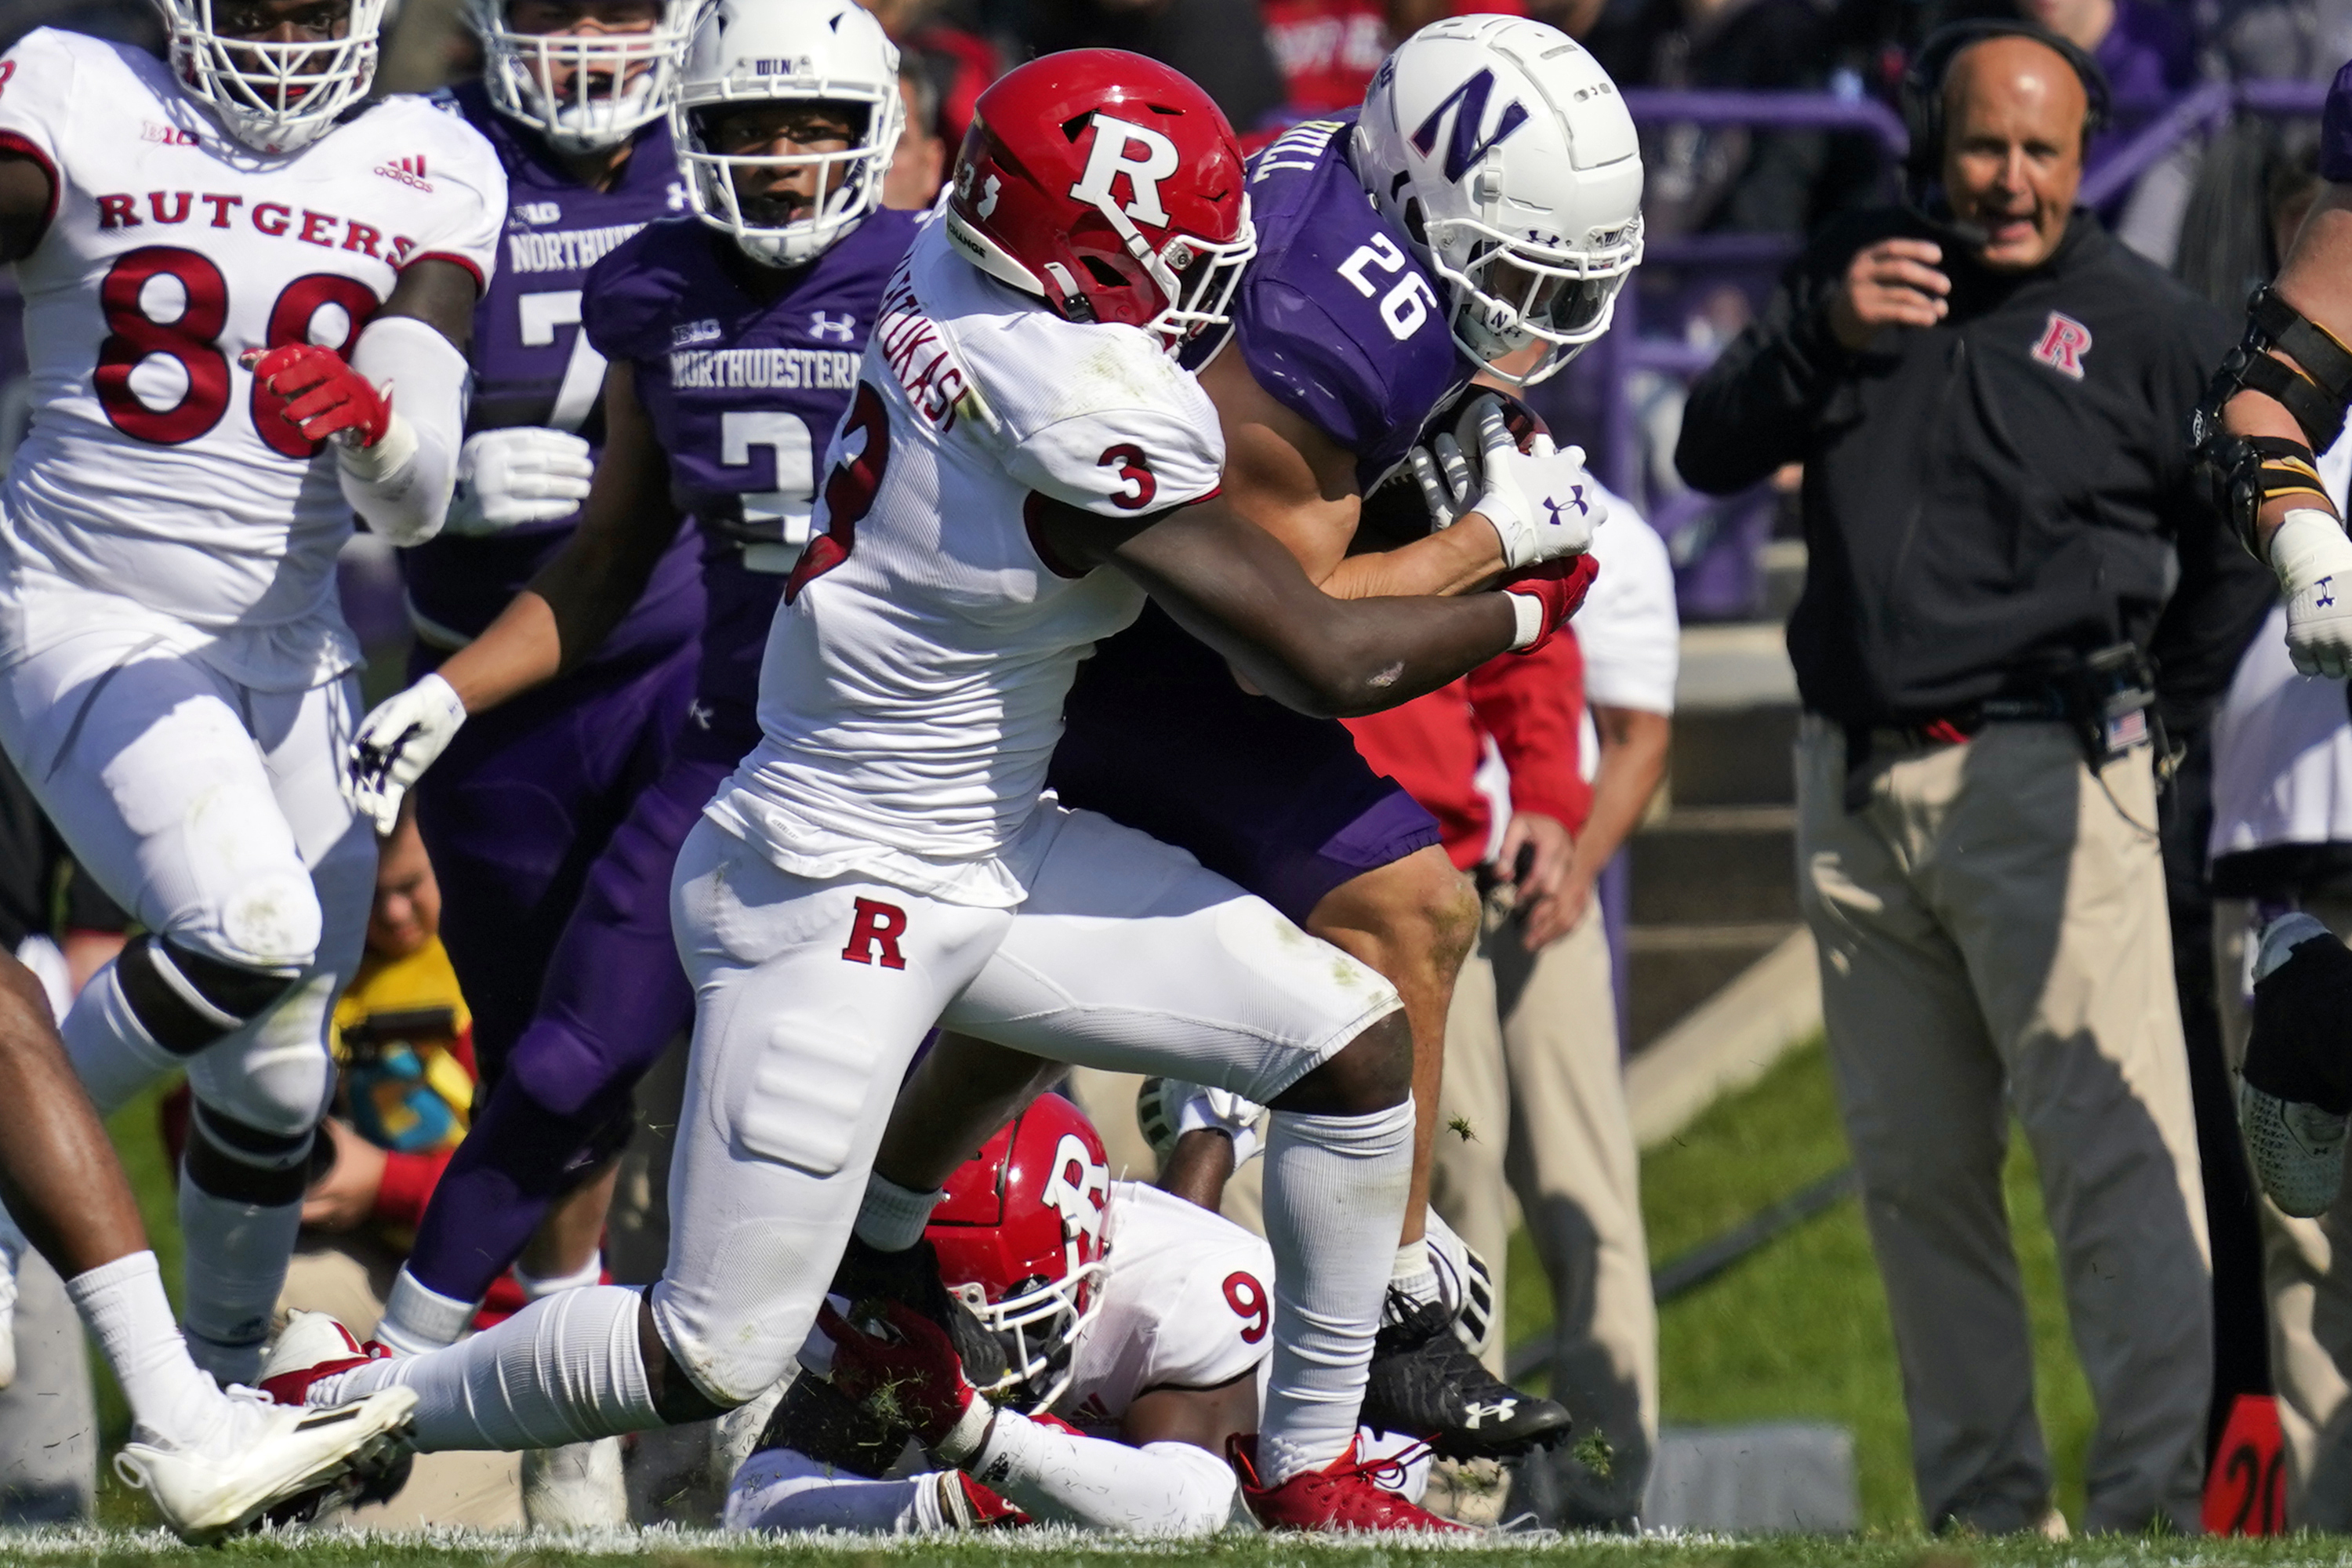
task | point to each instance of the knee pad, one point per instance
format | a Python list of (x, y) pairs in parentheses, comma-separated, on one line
[(239, 1162), (187, 1001)]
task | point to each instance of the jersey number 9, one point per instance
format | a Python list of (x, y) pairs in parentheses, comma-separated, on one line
[(190, 340)]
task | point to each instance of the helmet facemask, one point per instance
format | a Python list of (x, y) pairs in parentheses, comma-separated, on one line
[(1196, 278), (1041, 1323), (1509, 292), (273, 96), (584, 91), (727, 189)]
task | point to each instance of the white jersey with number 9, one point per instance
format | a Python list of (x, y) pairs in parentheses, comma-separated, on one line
[(151, 472)]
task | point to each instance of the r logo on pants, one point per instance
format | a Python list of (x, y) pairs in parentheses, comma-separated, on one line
[(874, 929)]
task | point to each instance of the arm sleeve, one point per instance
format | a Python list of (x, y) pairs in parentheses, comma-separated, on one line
[(1533, 705), (1753, 409), (407, 1185), (1059, 1477), (402, 485), (779, 1488)]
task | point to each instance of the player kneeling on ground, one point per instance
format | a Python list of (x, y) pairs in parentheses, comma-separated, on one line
[(1134, 1325)]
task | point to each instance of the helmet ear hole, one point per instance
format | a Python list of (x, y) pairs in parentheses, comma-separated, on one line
[(1103, 272), (1413, 225)]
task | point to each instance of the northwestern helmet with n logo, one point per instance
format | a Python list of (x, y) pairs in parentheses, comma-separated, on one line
[(1468, 106)]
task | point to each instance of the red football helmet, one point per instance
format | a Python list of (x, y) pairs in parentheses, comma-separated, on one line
[(1110, 186), (1022, 1237)]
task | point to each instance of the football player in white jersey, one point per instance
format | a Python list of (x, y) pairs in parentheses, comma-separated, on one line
[(212, 1461), (1135, 1324), (245, 293), (884, 861)]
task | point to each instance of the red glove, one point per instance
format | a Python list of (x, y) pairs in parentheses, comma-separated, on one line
[(319, 394), (1559, 586), (913, 1376)]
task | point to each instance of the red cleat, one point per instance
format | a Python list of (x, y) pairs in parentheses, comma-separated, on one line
[(314, 1345), (1342, 1495)]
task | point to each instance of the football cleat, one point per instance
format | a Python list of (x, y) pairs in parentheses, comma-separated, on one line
[(2292, 1095), (819, 1420), (1424, 1383), (284, 1462), (913, 1277), (312, 1345), (1344, 1495)]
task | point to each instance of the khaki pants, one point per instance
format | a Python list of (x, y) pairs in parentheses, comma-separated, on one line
[(349, 1275), (1993, 939), (2310, 1297), (1532, 1073)]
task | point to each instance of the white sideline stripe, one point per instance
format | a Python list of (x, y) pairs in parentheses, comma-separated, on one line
[(1734, 1039)]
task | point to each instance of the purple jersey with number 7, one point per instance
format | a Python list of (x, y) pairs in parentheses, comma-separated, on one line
[(534, 365)]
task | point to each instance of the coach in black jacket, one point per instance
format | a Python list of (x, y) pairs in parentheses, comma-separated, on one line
[(1991, 412)]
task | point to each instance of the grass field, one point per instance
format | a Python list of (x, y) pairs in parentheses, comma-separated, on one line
[(1797, 1331)]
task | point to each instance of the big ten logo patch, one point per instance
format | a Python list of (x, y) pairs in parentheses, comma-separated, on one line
[(2245, 1492), (874, 929), (2064, 340)]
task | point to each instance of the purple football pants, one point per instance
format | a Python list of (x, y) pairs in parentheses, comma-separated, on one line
[(614, 997)]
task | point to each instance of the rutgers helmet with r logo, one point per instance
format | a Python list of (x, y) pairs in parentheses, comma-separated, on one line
[(1110, 187), (1022, 1236)]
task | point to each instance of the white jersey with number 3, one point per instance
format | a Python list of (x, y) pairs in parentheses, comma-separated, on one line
[(150, 474), (913, 691)]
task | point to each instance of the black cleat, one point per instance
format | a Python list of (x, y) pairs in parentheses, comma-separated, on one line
[(820, 1421), (1426, 1384), (912, 1277)]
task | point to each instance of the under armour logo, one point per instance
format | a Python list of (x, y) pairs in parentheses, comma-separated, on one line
[(702, 715), (678, 195), (1501, 1410), (2326, 598), (987, 205), (823, 326), (1576, 498)]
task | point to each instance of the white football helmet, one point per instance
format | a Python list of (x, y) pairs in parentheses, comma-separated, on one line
[(785, 51), (619, 82), (273, 97), (1503, 152)]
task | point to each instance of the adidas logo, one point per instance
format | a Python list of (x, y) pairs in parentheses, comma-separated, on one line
[(408, 171)]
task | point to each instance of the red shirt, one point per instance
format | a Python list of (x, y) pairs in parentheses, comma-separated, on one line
[(1532, 704), (1329, 49)]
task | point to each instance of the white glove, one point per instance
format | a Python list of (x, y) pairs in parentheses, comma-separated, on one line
[(1541, 501), (2314, 562), (508, 478), (395, 744), (1168, 1108)]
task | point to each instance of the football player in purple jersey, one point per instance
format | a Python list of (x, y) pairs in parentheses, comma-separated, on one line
[(573, 97), (733, 339), (1505, 213)]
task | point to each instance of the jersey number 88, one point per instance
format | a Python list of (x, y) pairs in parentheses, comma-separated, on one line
[(190, 341)]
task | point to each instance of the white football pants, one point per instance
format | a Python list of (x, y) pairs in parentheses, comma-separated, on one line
[(212, 812), (813, 996)]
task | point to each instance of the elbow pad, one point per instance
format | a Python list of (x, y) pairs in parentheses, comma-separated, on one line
[(2240, 474), (402, 485)]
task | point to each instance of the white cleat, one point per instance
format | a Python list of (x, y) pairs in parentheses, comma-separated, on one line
[(267, 1458)]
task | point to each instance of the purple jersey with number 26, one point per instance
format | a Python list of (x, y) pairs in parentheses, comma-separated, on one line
[(1334, 317), (534, 365), (742, 394)]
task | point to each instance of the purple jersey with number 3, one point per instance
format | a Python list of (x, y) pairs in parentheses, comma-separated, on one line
[(1335, 317), (744, 392), (534, 365)]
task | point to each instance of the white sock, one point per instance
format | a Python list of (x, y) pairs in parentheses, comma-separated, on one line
[(235, 1269), (564, 1370), (1413, 1282), (892, 1218), (1335, 1197), (111, 1051), (124, 1307), (537, 1285), (418, 1319)]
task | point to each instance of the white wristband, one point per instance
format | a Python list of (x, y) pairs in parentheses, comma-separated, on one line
[(1529, 612)]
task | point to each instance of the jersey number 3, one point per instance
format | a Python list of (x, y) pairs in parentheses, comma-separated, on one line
[(190, 341), (861, 452)]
